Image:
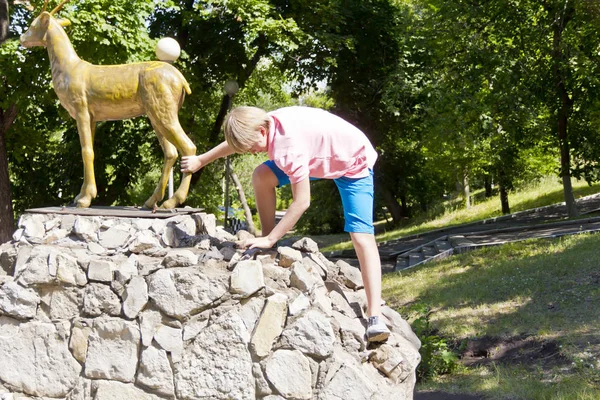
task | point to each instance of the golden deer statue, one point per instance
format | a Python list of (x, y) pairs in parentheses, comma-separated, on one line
[(92, 93)]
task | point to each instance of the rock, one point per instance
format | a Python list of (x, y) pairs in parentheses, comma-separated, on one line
[(86, 228), (99, 299), (347, 379), (8, 257), (112, 350), (100, 270), (289, 372), (135, 297), (228, 253), (114, 237), (179, 292), (195, 324), (301, 278), (36, 358), (269, 325), (31, 267), (313, 263), (111, 390), (321, 300), (150, 320), (352, 332), (247, 278), (393, 362), (307, 245), (67, 269), (206, 223), (262, 386), (60, 303), (78, 343), (179, 258), (287, 256), (171, 340), (160, 322), (340, 303), (33, 227), (144, 242), (351, 275), (217, 365), (17, 301), (299, 304), (128, 267), (155, 371), (312, 334), (177, 230), (400, 326)]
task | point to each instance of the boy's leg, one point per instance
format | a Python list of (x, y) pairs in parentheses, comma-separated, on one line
[(370, 269), (264, 182), (357, 199)]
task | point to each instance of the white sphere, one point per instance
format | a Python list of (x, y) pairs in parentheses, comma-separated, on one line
[(231, 87), (167, 49)]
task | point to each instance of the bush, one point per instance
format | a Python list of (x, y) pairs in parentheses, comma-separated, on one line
[(437, 355)]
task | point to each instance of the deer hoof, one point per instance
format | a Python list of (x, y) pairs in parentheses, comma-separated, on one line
[(82, 202), (171, 203)]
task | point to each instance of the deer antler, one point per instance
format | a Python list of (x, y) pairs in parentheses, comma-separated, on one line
[(45, 4), (58, 7)]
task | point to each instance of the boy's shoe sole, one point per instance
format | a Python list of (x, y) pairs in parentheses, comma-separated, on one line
[(378, 337)]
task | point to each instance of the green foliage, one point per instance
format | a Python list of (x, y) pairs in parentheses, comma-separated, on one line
[(325, 214), (437, 356)]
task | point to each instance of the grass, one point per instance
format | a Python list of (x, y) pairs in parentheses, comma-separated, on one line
[(547, 290), (545, 192)]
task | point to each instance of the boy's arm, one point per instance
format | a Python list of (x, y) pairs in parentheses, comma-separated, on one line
[(300, 203), (194, 163)]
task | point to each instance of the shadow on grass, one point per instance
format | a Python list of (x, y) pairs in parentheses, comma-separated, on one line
[(535, 287), (553, 197), (527, 300)]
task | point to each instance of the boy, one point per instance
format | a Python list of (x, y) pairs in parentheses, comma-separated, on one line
[(305, 143)]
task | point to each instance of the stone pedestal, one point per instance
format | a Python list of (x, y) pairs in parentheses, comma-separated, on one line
[(114, 307)]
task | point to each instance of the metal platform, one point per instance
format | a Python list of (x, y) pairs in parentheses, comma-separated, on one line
[(117, 211)]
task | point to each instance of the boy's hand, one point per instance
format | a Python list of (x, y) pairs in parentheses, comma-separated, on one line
[(190, 164), (260, 242)]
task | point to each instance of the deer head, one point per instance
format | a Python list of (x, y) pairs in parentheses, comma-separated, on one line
[(36, 34)]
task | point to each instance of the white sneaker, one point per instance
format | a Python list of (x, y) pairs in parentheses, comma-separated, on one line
[(376, 330)]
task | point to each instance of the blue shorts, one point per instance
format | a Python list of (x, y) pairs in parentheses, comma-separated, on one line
[(357, 199)]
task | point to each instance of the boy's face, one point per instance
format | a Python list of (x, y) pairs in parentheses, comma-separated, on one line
[(261, 145)]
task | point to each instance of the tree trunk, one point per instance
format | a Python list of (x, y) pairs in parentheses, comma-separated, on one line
[(466, 189), (504, 199), (7, 221), (393, 206), (563, 16), (213, 138), (242, 195), (487, 183), (3, 20)]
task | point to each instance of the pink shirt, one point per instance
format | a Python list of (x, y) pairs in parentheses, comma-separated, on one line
[(306, 141)]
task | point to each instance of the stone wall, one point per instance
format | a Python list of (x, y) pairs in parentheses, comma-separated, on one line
[(128, 308)]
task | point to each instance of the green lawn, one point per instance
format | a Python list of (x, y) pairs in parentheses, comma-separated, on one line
[(540, 297), (543, 292)]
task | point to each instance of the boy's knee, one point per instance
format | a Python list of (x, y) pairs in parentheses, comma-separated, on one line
[(263, 176)]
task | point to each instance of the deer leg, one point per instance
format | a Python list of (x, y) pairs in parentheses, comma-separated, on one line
[(170, 155), (87, 129), (186, 147), (166, 124)]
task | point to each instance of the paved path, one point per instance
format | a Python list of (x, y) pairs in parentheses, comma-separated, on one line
[(542, 222)]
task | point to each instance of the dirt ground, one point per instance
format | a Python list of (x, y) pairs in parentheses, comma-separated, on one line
[(526, 351), (444, 396)]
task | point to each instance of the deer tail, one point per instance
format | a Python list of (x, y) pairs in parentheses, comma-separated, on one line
[(186, 85)]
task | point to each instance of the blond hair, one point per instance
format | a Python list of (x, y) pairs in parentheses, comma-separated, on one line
[(242, 127)]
